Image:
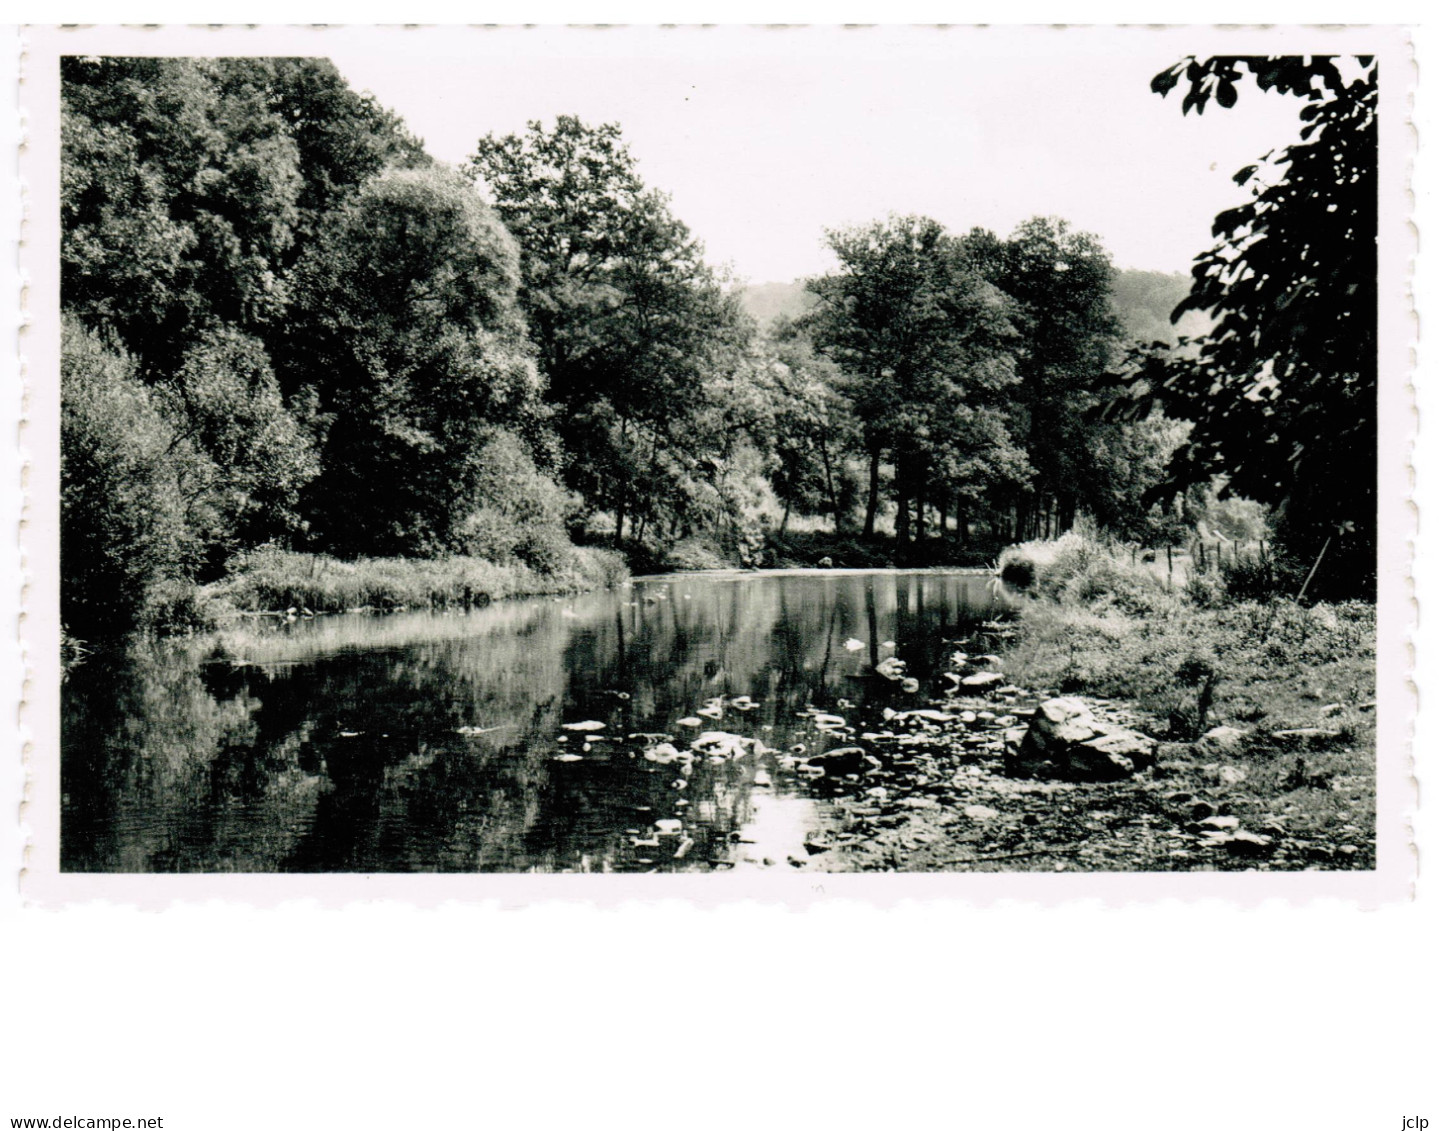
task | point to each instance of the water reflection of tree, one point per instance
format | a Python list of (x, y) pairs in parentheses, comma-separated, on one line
[(336, 746)]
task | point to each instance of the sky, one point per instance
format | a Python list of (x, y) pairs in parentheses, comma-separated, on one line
[(766, 137)]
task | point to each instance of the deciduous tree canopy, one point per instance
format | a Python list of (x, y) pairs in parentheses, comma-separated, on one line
[(1283, 391)]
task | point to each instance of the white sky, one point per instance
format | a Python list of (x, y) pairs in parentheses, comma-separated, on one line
[(766, 137)]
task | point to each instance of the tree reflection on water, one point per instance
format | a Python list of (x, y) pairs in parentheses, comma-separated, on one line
[(428, 742)]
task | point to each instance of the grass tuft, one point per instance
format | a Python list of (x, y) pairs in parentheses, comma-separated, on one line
[(271, 580)]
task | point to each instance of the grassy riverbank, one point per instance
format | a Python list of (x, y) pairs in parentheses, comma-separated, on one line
[(1264, 712), (272, 580)]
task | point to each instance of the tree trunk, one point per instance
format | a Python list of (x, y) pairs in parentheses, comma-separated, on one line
[(620, 524), (1068, 509), (829, 484), (871, 503), (783, 522)]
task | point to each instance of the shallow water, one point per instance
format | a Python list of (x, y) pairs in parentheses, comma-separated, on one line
[(437, 741)]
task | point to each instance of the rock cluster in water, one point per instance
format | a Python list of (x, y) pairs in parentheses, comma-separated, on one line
[(987, 774)]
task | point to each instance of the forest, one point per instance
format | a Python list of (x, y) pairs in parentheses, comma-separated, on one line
[(291, 335)]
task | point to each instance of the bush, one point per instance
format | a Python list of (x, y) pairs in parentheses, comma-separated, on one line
[(177, 608), (545, 550), (518, 512), (1081, 567), (1256, 579), (123, 528), (695, 554), (1015, 569), (273, 580)]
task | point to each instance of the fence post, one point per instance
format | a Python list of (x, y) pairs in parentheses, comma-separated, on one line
[(1169, 556)]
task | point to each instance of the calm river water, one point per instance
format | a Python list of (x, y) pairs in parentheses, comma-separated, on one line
[(438, 742)]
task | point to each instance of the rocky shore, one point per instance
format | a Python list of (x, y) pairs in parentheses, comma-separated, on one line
[(998, 777)]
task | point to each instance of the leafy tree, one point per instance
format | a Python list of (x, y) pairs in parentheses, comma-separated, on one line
[(811, 431), (631, 326), (188, 186), (1283, 390), (123, 478), (920, 335), (409, 329), (226, 404), (1061, 281)]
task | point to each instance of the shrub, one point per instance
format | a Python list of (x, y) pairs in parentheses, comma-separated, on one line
[(1080, 566), (177, 608), (123, 528), (1262, 579), (1015, 569), (545, 550), (518, 512), (695, 553)]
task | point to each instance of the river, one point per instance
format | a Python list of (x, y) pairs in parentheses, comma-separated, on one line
[(469, 741)]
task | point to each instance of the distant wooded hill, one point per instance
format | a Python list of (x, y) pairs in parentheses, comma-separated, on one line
[(1143, 301)]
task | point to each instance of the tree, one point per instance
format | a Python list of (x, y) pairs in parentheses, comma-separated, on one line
[(188, 187), (225, 403), (407, 324), (634, 331), (1283, 390), (919, 335), (811, 432), (1061, 282), (123, 473)]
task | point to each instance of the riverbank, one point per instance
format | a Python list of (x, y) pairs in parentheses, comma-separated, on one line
[(813, 550), (279, 581), (1263, 716)]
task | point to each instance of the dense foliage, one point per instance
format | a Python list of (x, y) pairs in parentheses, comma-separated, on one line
[(289, 331), (1283, 390)]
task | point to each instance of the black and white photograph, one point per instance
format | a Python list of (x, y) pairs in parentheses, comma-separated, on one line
[(677, 451), (579, 570)]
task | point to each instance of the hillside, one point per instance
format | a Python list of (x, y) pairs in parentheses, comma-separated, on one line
[(1143, 301), (765, 302)]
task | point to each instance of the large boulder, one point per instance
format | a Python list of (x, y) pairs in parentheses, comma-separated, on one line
[(1067, 740)]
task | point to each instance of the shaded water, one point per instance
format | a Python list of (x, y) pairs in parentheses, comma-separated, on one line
[(436, 742)]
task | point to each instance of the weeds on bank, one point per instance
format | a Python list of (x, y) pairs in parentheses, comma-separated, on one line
[(1101, 626), (270, 580)]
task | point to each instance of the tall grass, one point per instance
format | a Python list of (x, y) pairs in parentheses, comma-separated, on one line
[(271, 580), (1082, 567)]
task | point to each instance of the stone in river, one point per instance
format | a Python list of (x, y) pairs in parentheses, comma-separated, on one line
[(589, 724), (845, 760), (669, 826), (663, 753), (568, 758), (980, 812), (1066, 740), (892, 668), (983, 679)]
